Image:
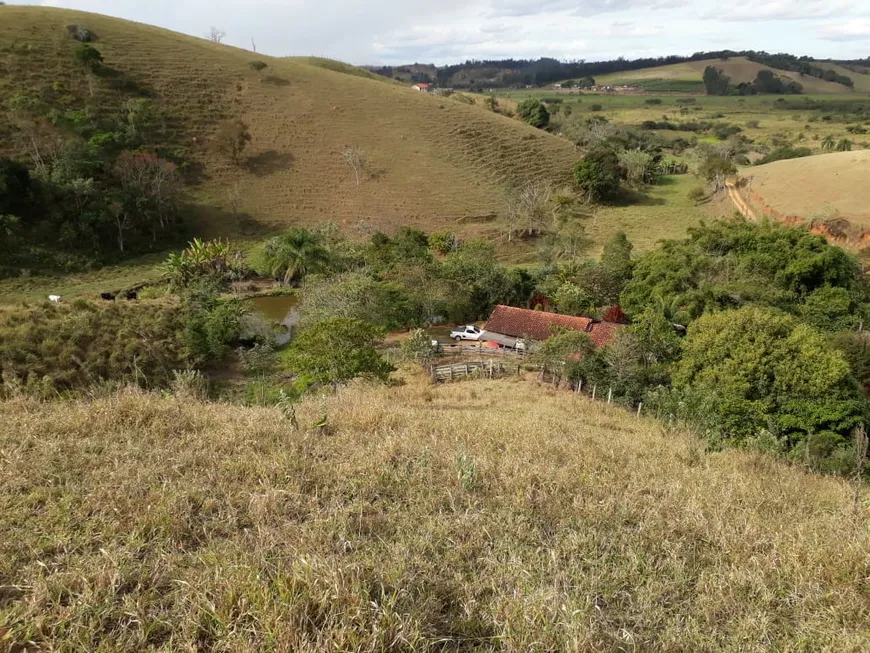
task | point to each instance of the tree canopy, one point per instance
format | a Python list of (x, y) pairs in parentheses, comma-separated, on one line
[(730, 264), (760, 369), (337, 350), (598, 175), (534, 112)]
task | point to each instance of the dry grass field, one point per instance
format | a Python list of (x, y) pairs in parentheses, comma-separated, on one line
[(430, 160), (827, 185), (492, 515)]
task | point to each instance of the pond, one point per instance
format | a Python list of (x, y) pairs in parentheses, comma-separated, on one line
[(277, 309)]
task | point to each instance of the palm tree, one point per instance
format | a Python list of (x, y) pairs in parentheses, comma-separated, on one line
[(828, 143), (844, 145), (291, 256)]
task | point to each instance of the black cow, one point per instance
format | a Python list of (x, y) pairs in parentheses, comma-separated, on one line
[(131, 295), (107, 296)]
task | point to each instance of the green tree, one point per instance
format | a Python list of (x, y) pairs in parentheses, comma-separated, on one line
[(716, 81), (658, 341), (359, 296), (829, 142), (760, 369), (491, 103), (90, 59), (598, 175), (418, 347), (844, 145), (727, 265), (715, 166), (338, 350), (258, 66), (638, 165), (555, 352), (534, 113), (293, 255), (616, 257)]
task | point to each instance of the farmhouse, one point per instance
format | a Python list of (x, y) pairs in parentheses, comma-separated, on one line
[(509, 322), (422, 87)]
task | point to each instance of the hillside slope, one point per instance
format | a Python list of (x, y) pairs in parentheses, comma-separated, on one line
[(430, 160), (826, 185), (739, 69), (492, 515)]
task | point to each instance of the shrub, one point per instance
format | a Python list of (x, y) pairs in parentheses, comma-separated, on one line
[(697, 194), (337, 350), (443, 242), (598, 175), (418, 347), (761, 369), (72, 346), (533, 112)]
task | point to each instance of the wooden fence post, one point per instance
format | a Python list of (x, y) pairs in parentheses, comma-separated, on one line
[(609, 394), (594, 388), (639, 406)]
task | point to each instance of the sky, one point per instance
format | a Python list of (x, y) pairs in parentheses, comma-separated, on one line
[(451, 31)]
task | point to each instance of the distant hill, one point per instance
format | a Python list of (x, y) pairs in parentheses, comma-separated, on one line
[(816, 187), (480, 75), (688, 76), (432, 162)]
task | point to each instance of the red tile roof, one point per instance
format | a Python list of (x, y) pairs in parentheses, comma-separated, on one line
[(603, 333), (538, 325)]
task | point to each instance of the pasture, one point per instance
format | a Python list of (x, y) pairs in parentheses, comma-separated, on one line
[(468, 516)]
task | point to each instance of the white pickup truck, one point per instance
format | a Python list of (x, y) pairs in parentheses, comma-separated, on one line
[(469, 332)]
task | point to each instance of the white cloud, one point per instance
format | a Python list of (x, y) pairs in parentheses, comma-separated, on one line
[(752, 10), (445, 31), (857, 29)]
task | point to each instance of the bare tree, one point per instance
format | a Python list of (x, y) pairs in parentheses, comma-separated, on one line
[(231, 139), (234, 196), (215, 35), (530, 209), (355, 158)]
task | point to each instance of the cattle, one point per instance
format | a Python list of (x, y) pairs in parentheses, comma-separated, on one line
[(107, 296), (54, 299), (131, 295)]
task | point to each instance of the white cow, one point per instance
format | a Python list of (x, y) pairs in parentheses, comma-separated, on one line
[(54, 299)]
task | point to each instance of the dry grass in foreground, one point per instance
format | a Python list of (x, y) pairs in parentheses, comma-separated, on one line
[(479, 516)]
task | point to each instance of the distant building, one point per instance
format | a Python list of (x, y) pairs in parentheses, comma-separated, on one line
[(512, 322), (422, 87)]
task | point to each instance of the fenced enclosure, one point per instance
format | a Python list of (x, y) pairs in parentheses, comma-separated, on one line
[(477, 369), (462, 348)]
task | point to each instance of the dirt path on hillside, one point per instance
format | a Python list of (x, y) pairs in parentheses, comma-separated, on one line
[(738, 201)]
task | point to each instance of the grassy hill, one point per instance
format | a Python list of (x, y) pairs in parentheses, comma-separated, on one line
[(827, 185), (430, 160), (488, 516), (679, 76)]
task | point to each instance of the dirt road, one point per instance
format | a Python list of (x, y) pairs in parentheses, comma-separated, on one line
[(738, 201)]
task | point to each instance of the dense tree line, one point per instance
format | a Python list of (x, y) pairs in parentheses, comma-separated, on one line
[(95, 187), (802, 65)]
